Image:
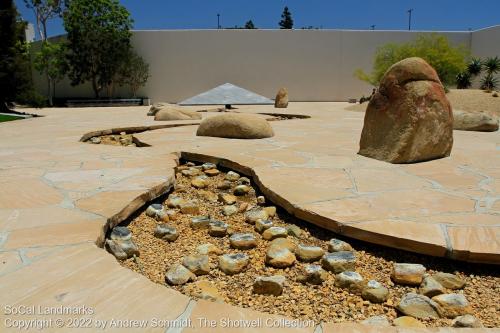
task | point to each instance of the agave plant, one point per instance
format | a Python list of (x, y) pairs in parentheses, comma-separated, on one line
[(463, 80), (474, 67), (492, 65), (489, 82)]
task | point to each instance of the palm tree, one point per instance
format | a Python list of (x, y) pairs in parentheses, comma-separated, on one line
[(492, 66), (475, 67)]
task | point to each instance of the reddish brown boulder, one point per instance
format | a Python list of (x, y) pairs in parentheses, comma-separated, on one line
[(409, 118), (281, 100)]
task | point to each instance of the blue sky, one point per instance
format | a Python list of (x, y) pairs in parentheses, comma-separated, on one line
[(328, 14)]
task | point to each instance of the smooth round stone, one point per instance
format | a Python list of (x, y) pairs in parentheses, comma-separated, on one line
[(128, 246), (270, 210), (261, 200), (452, 305), (337, 245), (309, 253), (449, 281), (198, 264), (120, 233), (178, 274), (418, 306), (232, 176), (199, 183), (255, 214), (190, 207), (262, 225), (243, 181), (312, 274), (338, 262), (350, 280), (212, 172), (243, 241), (166, 232), (95, 140), (154, 209), (408, 274), (217, 229), (227, 199), (376, 321), (233, 263), (191, 172), (375, 292), (279, 257), (229, 210), (286, 243), (467, 321), (208, 248), (294, 231), (275, 232), (208, 166), (269, 285), (175, 201), (241, 190), (225, 185), (200, 222), (430, 287), (115, 249), (163, 216)]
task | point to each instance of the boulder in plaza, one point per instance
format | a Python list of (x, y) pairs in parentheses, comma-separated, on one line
[(176, 113), (235, 126), (281, 100), (474, 121)]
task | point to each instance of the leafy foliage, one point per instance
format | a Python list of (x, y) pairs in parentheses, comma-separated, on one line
[(475, 67), (464, 80), (286, 19), (250, 25), (492, 65), (51, 61), (489, 82), (134, 72), (447, 60), (98, 41)]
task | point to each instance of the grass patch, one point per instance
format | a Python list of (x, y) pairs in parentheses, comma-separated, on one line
[(4, 117)]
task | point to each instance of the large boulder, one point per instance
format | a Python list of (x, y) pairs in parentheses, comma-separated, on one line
[(176, 113), (281, 100), (474, 121), (157, 107), (235, 126), (409, 118)]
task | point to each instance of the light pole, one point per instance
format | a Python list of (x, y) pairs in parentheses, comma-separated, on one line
[(218, 21), (409, 18)]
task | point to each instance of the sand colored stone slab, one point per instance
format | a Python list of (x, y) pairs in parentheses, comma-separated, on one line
[(27, 193), (9, 261)]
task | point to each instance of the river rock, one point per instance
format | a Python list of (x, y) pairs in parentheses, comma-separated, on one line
[(154, 210), (166, 232), (285, 243), (312, 274), (407, 321), (452, 305), (208, 166), (120, 233), (227, 199), (233, 263), (450, 281), (430, 287), (377, 321), (279, 257), (241, 190), (178, 274), (275, 232), (229, 210), (474, 121), (338, 262), (309, 253), (113, 248), (200, 222), (190, 207), (243, 241), (255, 214), (409, 118), (281, 100), (270, 210), (294, 231), (468, 321), (232, 176), (208, 195), (199, 182), (235, 126), (211, 172), (262, 225), (208, 248), (337, 245), (217, 228), (269, 285), (350, 280), (243, 181), (174, 201), (408, 274), (261, 200), (191, 172), (197, 263), (418, 306), (224, 185), (375, 292)]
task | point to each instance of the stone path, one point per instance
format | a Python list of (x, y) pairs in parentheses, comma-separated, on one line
[(58, 193)]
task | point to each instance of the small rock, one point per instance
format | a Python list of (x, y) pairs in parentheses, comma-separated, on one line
[(191, 172), (198, 264), (376, 321), (430, 287), (227, 199), (261, 200), (190, 164), (229, 210), (309, 253), (115, 249), (407, 321), (208, 166), (467, 321), (199, 222), (350, 280), (270, 210), (225, 185), (255, 214), (174, 201), (206, 290), (285, 243), (452, 305), (418, 306), (408, 274), (241, 190), (166, 232), (232, 176), (208, 195), (243, 181), (337, 245), (120, 233), (233, 263), (338, 262), (243, 241), (178, 274), (294, 231), (212, 172), (279, 257), (269, 285), (208, 248), (163, 216), (128, 246), (450, 281), (262, 225), (312, 274), (275, 232), (199, 183), (218, 229), (375, 292), (243, 207), (190, 207), (95, 140), (154, 209)]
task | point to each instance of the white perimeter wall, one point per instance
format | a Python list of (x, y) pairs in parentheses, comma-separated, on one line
[(315, 65)]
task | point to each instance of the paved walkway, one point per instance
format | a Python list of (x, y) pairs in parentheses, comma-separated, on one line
[(57, 194)]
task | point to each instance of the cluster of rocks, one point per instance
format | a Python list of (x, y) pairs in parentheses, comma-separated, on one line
[(123, 139)]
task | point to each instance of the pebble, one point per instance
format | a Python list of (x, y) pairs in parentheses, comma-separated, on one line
[(274, 232), (261, 200), (199, 222), (452, 305), (418, 306), (312, 274), (154, 209), (243, 241), (467, 321), (294, 231), (225, 185), (241, 190), (350, 280), (227, 199), (407, 321), (191, 172), (229, 210), (233, 263), (338, 262), (190, 207), (166, 232), (243, 181), (309, 253), (255, 214), (198, 264), (262, 225), (232, 176), (208, 166), (212, 172), (269, 285), (113, 248), (279, 257), (208, 248), (430, 287), (178, 274), (199, 183), (243, 207), (285, 243), (218, 228), (95, 140), (376, 321), (270, 210), (337, 245), (408, 274), (120, 233), (375, 292), (174, 201), (449, 281)]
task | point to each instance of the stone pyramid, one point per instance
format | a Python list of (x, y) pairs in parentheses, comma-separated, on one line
[(227, 94)]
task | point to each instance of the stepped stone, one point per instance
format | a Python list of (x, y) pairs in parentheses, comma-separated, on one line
[(198, 264), (337, 245), (279, 257), (452, 305), (408, 274), (274, 232), (269, 285), (309, 253), (243, 241), (418, 306), (166, 232), (178, 274), (217, 229), (430, 287), (233, 263), (375, 292), (449, 281), (338, 262), (312, 274)]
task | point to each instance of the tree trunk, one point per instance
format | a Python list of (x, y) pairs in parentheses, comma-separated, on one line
[(95, 87), (49, 90)]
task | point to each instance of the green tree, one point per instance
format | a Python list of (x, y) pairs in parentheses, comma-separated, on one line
[(51, 61), (492, 66), (250, 25), (134, 73), (447, 60), (286, 19), (98, 41), (44, 10)]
